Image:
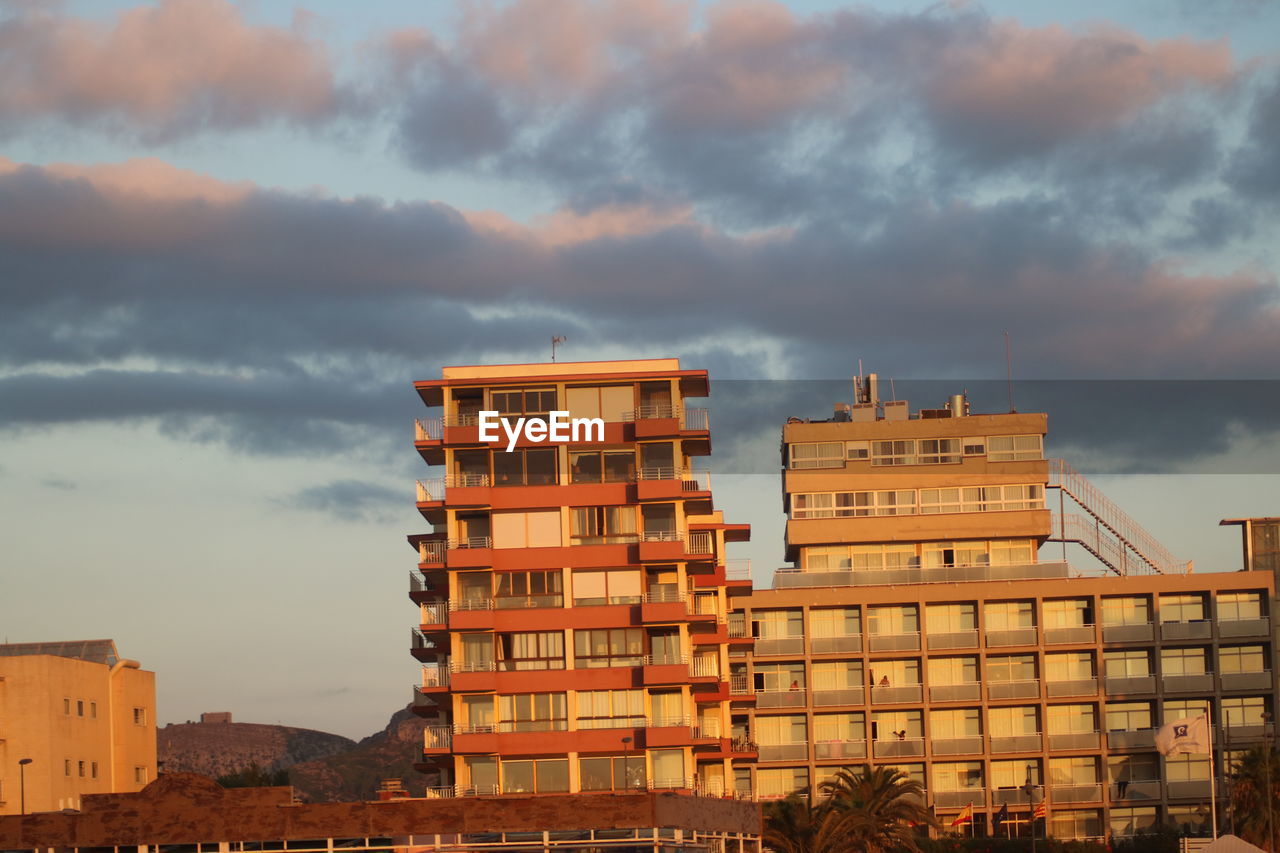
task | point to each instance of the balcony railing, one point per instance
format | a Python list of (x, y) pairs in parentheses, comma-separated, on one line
[(833, 645), (471, 603), (1200, 629), (793, 578), (437, 737), (435, 675), (1258, 680), (1024, 689), (1187, 682), (898, 748), (1123, 685), (428, 429), (1259, 627), (1138, 632), (969, 745), (1138, 789), (465, 543), (431, 551), (1087, 793), (893, 695), (435, 613), (906, 641), (665, 660), (1009, 796), (1188, 788), (739, 685), (667, 594), (431, 490), (779, 646), (696, 419), (653, 411), (1132, 739), (953, 640), (794, 698), (784, 751), (473, 666), (960, 798), (965, 691), (417, 583), (1071, 687), (705, 666), (824, 750), (1015, 743), (1012, 637), (737, 569), (701, 543), (1073, 740), (464, 480)]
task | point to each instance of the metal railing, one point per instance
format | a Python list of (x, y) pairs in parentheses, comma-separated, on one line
[(470, 603), (737, 569), (435, 613), (417, 583), (1259, 626), (428, 429), (1063, 634), (431, 551), (705, 666), (431, 490), (470, 542), (671, 595), (961, 692), (738, 685), (898, 747), (892, 695), (473, 666), (1021, 636), (1121, 525), (701, 542), (805, 579), (462, 420), (435, 675), (664, 660), (466, 481), (1073, 740), (696, 419), (437, 737), (651, 411), (696, 480), (904, 641), (661, 536), (824, 750), (1070, 687), (966, 745)]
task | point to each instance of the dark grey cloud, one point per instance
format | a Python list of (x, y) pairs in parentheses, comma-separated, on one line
[(350, 500), (1255, 168)]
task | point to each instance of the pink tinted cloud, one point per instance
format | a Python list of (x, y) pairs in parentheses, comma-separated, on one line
[(168, 68), (1035, 86)]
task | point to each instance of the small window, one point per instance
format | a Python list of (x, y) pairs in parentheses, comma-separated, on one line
[(93, 710), (140, 775), (858, 449), (974, 446), (93, 769), (139, 716), (66, 707), (66, 766), (80, 709), (80, 768)]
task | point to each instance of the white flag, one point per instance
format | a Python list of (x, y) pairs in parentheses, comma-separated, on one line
[(1184, 736)]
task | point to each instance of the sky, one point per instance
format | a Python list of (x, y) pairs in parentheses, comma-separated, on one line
[(233, 234)]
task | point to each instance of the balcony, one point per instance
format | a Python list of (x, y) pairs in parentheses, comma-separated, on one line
[(1012, 637), (737, 569), (834, 645), (1193, 788), (663, 482), (428, 429), (1136, 739), (470, 551), (1137, 790), (832, 750), (963, 692), (1141, 632), (739, 685), (663, 605), (1129, 684), (1260, 680), (953, 640), (434, 613), (1201, 629), (1025, 689), (435, 677), (960, 798), (1071, 687), (1009, 796), (1195, 682), (1232, 628), (665, 669), (896, 695), (784, 751), (970, 745), (796, 578), (899, 748), (1246, 731), (1073, 740), (431, 552), (779, 646), (1086, 793), (904, 642), (837, 696), (794, 698), (705, 666), (1066, 635), (437, 739), (1015, 743)]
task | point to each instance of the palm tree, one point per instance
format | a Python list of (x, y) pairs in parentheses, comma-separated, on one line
[(877, 808), (1255, 797), (796, 825)]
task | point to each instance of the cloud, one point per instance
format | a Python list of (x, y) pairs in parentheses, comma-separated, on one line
[(349, 500), (161, 71)]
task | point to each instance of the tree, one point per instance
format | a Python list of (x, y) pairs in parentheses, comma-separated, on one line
[(879, 808), (864, 810), (1255, 797)]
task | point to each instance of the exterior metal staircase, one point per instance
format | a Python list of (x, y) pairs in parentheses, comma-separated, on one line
[(1108, 532)]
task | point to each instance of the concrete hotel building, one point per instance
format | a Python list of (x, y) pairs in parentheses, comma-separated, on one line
[(573, 597), (925, 624), (84, 716)]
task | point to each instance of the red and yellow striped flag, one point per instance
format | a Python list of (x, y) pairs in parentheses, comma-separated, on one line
[(965, 817)]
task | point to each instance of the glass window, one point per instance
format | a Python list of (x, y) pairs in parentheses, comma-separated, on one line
[(1009, 615), (1186, 768), (668, 767), (1068, 613), (951, 618), (954, 723), (610, 709), (611, 774), (533, 712), (893, 619), (602, 466), (602, 525), (1241, 659), (777, 624), (1013, 448), (1243, 711), (1128, 716), (523, 401), (1143, 767), (837, 675), (1011, 668), (778, 730), (1126, 822), (1182, 608), (608, 647), (1240, 605), (900, 452), (897, 725), (774, 677), (825, 454), (834, 622), (838, 727), (776, 782), (950, 671), (1011, 722), (529, 589), (938, 451), (612, 586), (1068, 666), (898, 673), (1133, 663), (530, 650), (1193, 661), (1014, 774), (1072, 719), (957, 776), (1129, 610), (1077, 770), (527, 467)]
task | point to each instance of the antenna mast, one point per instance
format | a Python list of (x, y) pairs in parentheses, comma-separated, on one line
[(556, 340)]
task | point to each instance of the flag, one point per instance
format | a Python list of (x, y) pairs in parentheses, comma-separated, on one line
[(965, 817), (1184, 736), (1000, 818), (1042, 807)]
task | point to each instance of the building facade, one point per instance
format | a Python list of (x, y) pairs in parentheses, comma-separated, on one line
[(84, 716), (574, 595), (930, 623)]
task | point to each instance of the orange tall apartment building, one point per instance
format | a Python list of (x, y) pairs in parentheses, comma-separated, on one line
[(82, 715), (574, 594), (931, 621)]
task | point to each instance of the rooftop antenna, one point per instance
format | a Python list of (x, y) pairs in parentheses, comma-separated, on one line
[(555, 341), (1008, 366), (892, 391), (857, 384)]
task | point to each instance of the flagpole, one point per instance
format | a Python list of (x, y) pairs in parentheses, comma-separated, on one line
[(1213, 782)]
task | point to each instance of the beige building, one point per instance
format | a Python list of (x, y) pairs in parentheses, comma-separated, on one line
[(931, 622), (82, 714)]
